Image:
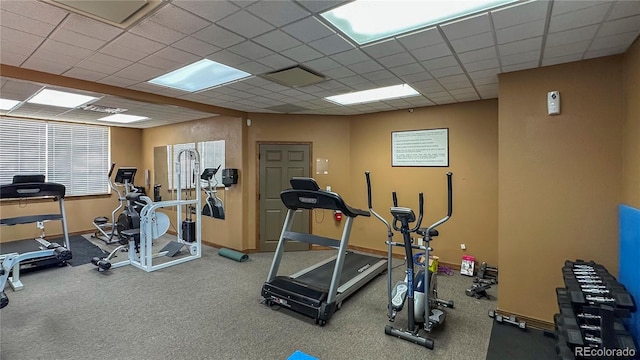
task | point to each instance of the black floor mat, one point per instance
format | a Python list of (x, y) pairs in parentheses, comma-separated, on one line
[(509, 342), (81, 249)]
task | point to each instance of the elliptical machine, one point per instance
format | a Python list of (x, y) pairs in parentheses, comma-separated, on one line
[(423, 305), (213, 206), (110, 232)]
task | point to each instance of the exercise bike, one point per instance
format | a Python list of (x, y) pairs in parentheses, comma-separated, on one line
[(213, 206), (129, 218), (419, 292)]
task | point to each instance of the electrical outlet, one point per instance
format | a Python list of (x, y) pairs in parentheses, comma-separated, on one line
[(40, 224), (463, 246)]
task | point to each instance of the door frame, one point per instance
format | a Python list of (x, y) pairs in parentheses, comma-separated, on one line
[(256, 196)]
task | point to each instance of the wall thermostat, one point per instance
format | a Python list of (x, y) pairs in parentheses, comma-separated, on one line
[(553, 102)]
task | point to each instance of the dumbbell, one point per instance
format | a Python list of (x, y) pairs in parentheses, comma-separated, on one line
[(102, 264), (509, 320)]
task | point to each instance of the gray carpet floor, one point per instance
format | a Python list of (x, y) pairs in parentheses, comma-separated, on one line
[(210, 308)]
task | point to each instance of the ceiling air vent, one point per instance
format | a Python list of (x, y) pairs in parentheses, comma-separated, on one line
[(118, 13), (296, 76)]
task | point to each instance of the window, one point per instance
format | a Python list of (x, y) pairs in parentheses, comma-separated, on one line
[(75, 155)]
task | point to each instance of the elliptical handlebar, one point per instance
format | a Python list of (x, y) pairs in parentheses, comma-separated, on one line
[(389, 231), (449, 206)]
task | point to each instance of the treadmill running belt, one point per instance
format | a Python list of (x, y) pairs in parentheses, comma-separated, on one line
[(353, 263)]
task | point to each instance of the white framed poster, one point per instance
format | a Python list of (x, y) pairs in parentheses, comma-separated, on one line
[(420, 148)]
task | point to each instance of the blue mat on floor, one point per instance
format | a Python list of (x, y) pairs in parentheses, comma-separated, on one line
[(299, 355)]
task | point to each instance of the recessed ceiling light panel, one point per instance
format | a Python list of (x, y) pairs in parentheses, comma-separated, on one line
[(60, 99), (371, 95), (122, 118), (200, 75), (6, 104), (365, 21)]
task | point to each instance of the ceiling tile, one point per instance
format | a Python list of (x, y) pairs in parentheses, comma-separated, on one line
[(477, 55), (520, 32), (8, 57), (473, 42), (396, 60), (276, 61), (420, 76), (137, 43), (519, 14), (574, 19), (80, 73), (89, 27), (614, 41), (254, 68), (245, 24), (278, 13), (408, 69), (448, 71), (384, 48), (210, 10), (320, 5), (338, 73), (73, 38), (308, 30), (520, 58), (178, 19), (123, 52), (218, 36), (118, 81), (567, 49), (566, 6), (322, 64), (482, 65), (331, 44), (420, 39), (518, 67), (571, 36), (19, 42), (250, 50), (365, 67), (100, 59), (69, 51), (228, 58), (431, 52), (36, 10), (302, 53), (604, 52), (46, 65), (467, 27), (154, 31), (624, 9), (277, 40), (520, 46), (484, 73), (547, 61), (60, 58), (25, 24), (140, 72), (440, 63), (195, 46), (350, 57), (486, 81), (620, 26), (354, 80)]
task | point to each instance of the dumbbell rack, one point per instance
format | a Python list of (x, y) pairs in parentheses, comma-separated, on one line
[(592, 305)]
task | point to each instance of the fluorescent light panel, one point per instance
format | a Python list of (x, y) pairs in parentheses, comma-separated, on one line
[(199, 75), (60, 99), (122, 118), (365, 21), (371, 95), (6, 104)]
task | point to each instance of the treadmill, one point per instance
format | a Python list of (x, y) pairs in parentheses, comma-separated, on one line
[(318, 291)]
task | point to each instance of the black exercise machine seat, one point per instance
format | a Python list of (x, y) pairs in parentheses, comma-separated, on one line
[(306, 194)]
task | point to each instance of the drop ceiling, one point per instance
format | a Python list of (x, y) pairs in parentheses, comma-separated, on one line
[(456, 61)]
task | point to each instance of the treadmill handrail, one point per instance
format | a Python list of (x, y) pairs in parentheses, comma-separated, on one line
[(295, 199)]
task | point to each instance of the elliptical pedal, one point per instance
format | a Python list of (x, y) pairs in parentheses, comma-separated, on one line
[(399, 295)]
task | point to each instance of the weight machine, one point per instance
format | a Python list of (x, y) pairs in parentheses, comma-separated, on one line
[(154, 224)]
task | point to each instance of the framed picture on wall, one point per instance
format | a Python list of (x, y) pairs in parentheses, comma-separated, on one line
[(420, 148)]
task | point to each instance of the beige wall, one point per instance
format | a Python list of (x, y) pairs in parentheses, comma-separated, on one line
[(330, 139), (80, 211), (631, 127), (473, 160), (559, 176), (228, 232)]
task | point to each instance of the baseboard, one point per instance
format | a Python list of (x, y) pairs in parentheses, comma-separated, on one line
[(530, 321)]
